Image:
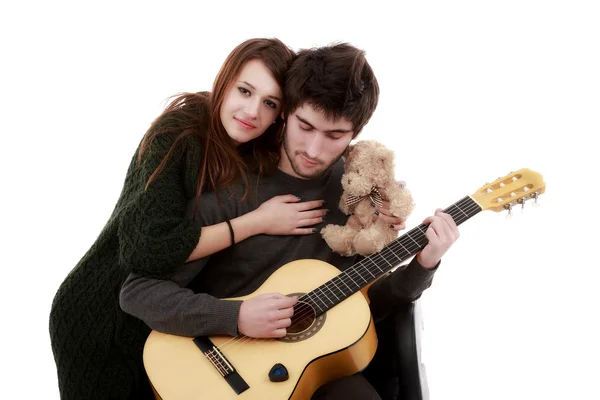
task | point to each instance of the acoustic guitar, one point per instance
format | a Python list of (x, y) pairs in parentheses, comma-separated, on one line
[(332, 333)]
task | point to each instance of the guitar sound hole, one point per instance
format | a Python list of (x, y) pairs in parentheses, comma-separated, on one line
[(303, 318), (305, 322)]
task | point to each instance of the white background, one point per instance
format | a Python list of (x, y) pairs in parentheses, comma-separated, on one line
[(470, 90)]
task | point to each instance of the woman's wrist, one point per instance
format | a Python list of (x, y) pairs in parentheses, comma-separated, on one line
[(251, 223)]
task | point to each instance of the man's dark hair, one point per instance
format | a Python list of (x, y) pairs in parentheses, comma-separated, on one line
[(336, 80)]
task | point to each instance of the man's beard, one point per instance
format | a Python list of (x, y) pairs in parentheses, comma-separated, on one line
[(296, 168)]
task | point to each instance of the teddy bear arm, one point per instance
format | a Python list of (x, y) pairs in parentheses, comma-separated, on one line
[(400, 199), (373, 239), (340, 238)]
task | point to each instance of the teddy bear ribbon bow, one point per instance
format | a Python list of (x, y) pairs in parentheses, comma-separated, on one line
[(374, 195)]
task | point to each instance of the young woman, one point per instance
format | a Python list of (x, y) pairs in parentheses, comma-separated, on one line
[(201, 142)]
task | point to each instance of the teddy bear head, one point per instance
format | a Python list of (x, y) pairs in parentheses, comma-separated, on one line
[(368, 164)]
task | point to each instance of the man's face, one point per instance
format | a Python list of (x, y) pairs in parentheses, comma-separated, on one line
[(313, 143)]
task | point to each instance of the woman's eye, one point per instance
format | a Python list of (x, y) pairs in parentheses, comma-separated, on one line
[(243, 90), (271, 104)]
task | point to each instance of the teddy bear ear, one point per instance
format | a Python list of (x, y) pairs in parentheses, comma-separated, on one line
[(349, 150), (386, 158)]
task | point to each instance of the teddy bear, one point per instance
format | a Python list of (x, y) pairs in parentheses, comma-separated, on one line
[(367, 181)]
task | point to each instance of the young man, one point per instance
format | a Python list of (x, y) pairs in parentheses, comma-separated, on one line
[(331, 93)]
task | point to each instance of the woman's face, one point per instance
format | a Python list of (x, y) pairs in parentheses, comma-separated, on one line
[(252, 103)]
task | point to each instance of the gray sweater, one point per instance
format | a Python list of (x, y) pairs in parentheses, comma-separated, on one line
[(189, 303)]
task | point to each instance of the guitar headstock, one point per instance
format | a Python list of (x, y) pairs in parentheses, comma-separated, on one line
[(513, 189)]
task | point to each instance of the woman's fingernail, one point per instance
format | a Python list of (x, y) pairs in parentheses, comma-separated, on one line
[(372, 204), (314, 230), (376, 212), (392, 226), (298, 197)]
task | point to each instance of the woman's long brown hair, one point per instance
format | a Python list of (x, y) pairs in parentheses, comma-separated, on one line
[(222, 164)]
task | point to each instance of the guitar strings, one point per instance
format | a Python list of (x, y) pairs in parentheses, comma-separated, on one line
[(354, 269), (303, 315), (384, 255), (406, 240), (397, 244)]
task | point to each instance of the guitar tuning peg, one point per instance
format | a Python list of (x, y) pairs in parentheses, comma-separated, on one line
[(535, 202), (508, 207), (521, 202)]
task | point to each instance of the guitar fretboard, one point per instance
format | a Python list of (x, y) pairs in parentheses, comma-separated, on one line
[(372, 267)]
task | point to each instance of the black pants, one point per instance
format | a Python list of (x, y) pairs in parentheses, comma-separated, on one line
[(379, 381), (143, 391), (348, 388)]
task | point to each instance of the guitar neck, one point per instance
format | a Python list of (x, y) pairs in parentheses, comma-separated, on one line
[(372, 267)]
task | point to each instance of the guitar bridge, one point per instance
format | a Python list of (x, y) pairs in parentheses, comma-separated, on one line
[(221, 364)]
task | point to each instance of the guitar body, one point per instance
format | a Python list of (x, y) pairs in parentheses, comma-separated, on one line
[(317, 348), (339, 343)]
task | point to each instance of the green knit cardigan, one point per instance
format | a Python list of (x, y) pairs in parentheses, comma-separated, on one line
[(97, 347)]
